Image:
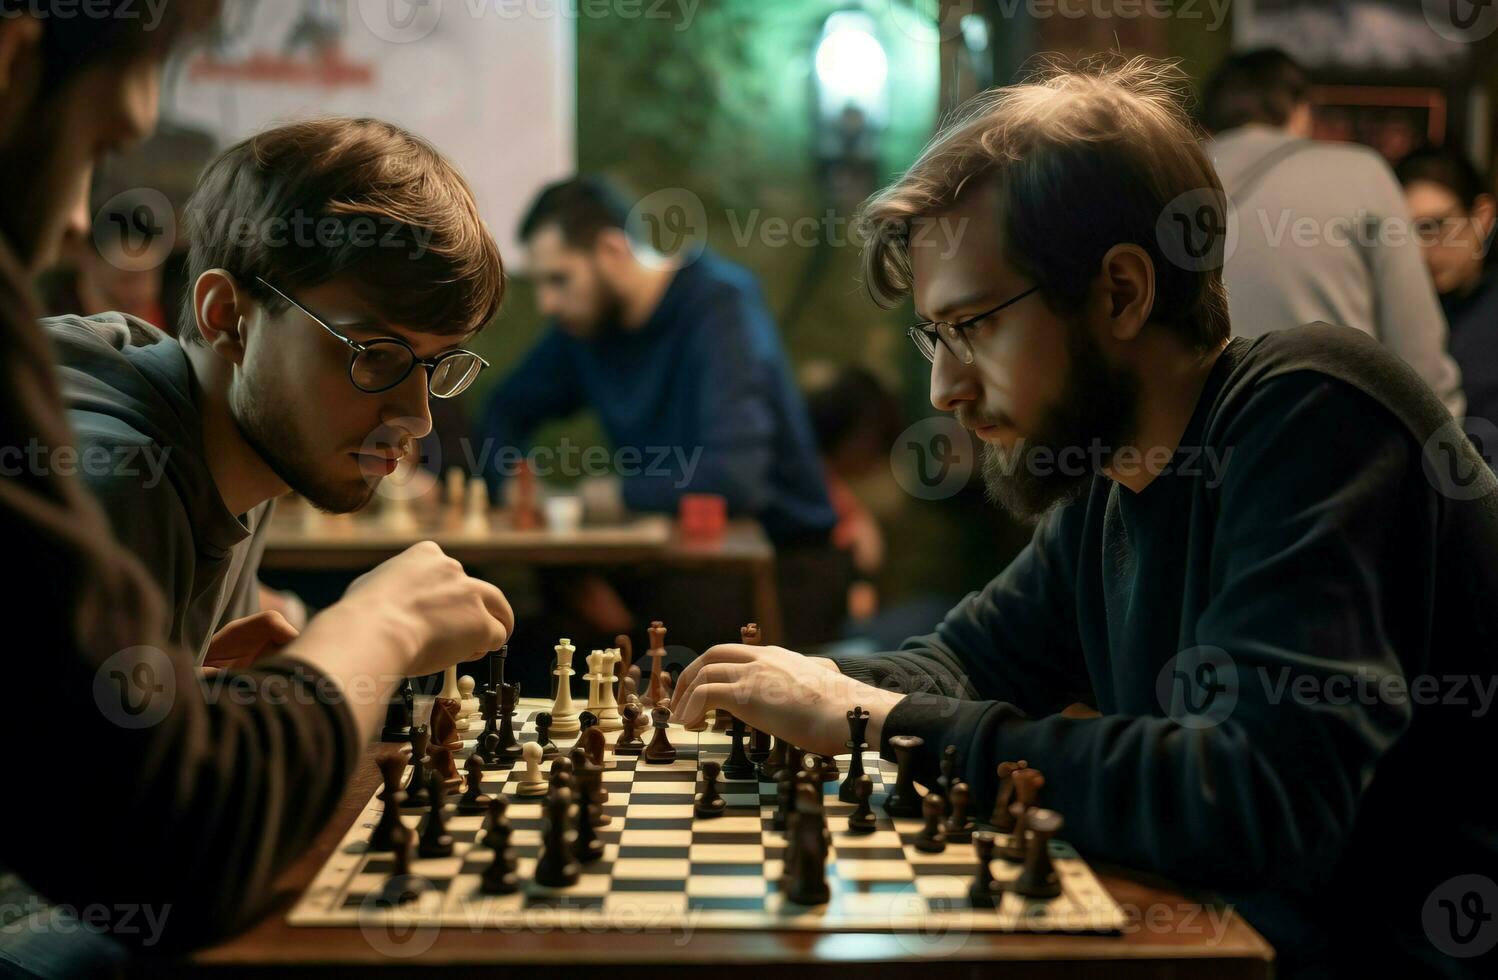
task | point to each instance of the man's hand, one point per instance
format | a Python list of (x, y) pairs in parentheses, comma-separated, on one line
[(803, 699), (244, 641)]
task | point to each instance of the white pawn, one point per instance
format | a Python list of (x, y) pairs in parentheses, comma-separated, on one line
[(455, 487), (476, 517), (564, 720), (468, 705), (534, 783)]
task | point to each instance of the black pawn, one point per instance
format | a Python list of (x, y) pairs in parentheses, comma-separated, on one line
[(738, 765), (770, 768), (402, 886), (488, 739), (858, 724), (385, 832), (984, 892), (862, 819), (585, 721), (785, 798), (499, 805), (959, 826), (556, 867), (759, 746), (709, 802), (398, 713), (509, 746), (932, 839), (660, 750), (473, 800), (807, 847), (500, 877), (549, 748), (586, 846), (588, 780), (416, 787), (904, 800), (489, 752), (826, 769), (436, 842), (1038, 878), (1016, 849), (948, 770)]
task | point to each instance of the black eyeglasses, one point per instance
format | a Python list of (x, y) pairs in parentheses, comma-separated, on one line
[(380, 365), (926, 333)]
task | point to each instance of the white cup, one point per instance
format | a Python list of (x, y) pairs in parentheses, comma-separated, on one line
[(564, 514)]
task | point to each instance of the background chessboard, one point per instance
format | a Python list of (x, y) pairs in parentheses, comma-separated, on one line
[(665, 868)]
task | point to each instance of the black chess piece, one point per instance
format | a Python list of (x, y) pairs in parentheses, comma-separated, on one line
[(862, 819), (586, 847), (858, 724), (932, 839), (709, 802), (436, 842), (948, 770), (1001, 819), (549, 748), (488, 752), (509, 745), (628, 742), (588, 780), (984, 892), (785, 799), (738, 765), (1027, 783), (904, 800), (383, 837), (826, 769), (474, 799), (759, 748), (660, 750), (402, 886), (501, 876), (497, 660), (959, 826), (807, 847), (416, 787), (557, 867), (770, 768), (585, 721), (499, 806), (487, 748), (1038, 878), (398, 713)]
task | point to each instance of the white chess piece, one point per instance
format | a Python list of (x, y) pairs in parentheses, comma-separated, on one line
[(534, 783), (609, 719), (564, 720), (468, 705), (455, 487), (476, 517), (594, 677)]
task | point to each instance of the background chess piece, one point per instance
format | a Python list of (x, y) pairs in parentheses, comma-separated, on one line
[(564, 719)]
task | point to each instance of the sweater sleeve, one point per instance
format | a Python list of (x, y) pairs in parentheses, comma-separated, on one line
[(193, 805), (1015, 641), (1239, 781), (734, 416)]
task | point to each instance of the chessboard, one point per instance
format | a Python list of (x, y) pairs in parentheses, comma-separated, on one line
[(665, 868)]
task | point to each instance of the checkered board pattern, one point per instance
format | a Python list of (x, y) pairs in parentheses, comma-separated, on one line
[(663, 867)]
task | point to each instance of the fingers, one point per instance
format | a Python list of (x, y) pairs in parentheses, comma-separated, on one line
[(720, 654), (277, 628), (715, 673), (499, 608), (716, 695)]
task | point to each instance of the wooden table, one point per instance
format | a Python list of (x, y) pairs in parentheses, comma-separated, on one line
[(299, 540), (1171, 935)]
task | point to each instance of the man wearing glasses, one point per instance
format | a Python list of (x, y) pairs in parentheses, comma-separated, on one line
[(1269, 565), (338, 267)]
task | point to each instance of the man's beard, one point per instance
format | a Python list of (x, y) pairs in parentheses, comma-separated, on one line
[(274, 435), (1091, 418)]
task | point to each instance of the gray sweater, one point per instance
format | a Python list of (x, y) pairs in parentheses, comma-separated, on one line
[(1323, 234), (131, 402)]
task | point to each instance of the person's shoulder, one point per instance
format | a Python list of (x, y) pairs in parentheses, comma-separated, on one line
[(711, 275), (103, 332)]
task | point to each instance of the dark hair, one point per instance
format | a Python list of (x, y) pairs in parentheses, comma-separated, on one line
[(580, 207), (1259, 86), (309, 202), (101, 30), (854, 400), (1086, 157), (1447, 167)]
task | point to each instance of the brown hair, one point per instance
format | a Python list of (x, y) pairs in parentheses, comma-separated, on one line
[(1086, 156), (312, 201)]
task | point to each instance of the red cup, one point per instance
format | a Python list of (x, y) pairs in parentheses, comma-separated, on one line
[(702, 515)]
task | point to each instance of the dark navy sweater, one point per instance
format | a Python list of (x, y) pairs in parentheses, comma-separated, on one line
[(700, 399)]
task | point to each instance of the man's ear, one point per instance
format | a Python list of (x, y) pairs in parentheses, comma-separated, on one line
[(1484, 212), (220, 306), (20, 39), (612, 248), (1126, 287)]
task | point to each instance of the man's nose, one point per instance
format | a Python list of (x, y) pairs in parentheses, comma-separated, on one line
[(951, 380)]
